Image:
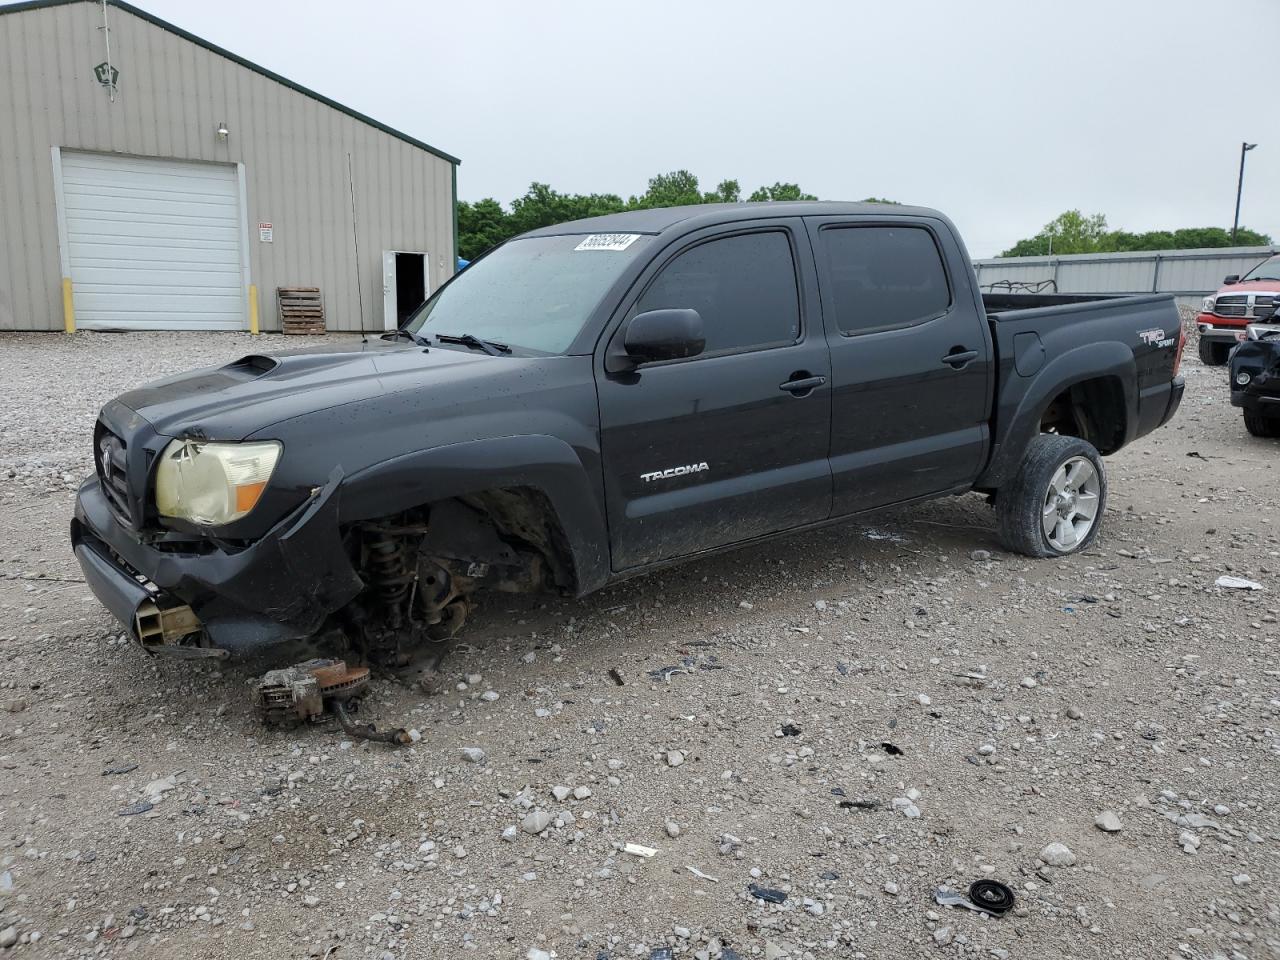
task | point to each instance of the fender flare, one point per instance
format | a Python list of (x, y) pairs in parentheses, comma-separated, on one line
[(1092, 361), (544, 463)]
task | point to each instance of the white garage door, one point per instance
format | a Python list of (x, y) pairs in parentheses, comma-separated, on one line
[(153, 244)]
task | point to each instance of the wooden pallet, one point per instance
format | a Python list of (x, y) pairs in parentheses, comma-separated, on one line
[(301, 310)]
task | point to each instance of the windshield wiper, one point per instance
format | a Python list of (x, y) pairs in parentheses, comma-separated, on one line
[(491, 347), (407, 335)]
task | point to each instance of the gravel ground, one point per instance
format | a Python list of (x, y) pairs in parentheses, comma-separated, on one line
[(860, 715)]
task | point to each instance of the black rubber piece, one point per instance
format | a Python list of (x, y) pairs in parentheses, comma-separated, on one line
[(1261, 426), (992, 896), (1019, 505)]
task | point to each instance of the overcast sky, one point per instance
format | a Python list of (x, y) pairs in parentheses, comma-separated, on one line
[(1001, 114)]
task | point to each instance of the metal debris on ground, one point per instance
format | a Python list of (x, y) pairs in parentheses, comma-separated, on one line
[(311, 691), (1237, 583), (859, 804), (767, 894), (142, 806), (616, 676), (123, 768), (686, 665), (702, 876), (639, 850), (891, 749)]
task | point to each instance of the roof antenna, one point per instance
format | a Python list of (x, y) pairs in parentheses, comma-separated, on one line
[(355, 242)]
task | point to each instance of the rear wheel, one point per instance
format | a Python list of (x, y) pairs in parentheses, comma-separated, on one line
[(1054, 505), (1212, 353), (1261, 426)]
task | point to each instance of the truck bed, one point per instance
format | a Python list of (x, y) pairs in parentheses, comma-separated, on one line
[(997, 303), (1126, 347)]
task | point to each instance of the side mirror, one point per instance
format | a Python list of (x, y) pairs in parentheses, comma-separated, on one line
[(664, 335), (1231, 278)]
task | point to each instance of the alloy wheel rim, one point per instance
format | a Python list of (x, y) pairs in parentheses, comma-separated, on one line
[(1071, 503)]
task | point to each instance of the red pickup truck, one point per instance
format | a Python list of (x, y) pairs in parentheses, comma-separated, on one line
[(1240, 302)]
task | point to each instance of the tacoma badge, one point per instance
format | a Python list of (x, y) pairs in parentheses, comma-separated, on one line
[(674, 472)]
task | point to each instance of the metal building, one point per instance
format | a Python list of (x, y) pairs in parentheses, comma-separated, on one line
[(152, 180), (1187, 274)]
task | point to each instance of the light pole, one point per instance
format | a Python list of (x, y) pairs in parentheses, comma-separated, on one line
[(1235, 224)]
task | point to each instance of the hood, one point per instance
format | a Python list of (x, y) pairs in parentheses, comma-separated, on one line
[(1250, 286), (250, 394)]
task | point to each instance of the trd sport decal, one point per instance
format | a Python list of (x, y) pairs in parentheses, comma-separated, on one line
[(1155, 338), (674, 472)]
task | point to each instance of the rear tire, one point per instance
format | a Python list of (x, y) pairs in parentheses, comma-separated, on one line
[(1212, 353), (1054, 506), (1261, 426)]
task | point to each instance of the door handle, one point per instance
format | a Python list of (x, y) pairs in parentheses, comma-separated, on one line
[(801, 384), (960, 358)]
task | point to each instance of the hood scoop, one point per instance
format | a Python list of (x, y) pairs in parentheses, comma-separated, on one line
[(252, 366)]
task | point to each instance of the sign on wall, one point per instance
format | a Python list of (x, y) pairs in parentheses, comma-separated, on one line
[(265, 230), (106, 74)]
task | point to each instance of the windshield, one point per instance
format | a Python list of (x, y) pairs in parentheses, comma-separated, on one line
[(1266, 270), (535, 293)]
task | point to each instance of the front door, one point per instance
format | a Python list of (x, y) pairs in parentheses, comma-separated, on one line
[(406, 284), (731, 444), (910, 359)]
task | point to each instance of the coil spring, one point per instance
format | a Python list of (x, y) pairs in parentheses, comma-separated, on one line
[(389, 572)]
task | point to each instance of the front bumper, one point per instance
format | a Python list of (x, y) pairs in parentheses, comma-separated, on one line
[(1220, 331), (281, 587)]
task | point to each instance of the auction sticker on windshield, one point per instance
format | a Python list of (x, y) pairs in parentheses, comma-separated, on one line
[(608, 241)]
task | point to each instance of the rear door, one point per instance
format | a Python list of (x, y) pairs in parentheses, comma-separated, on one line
[(911, 360), (721, 447)]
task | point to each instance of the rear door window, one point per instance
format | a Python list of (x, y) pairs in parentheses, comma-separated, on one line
[(744, 288), (883, 277)]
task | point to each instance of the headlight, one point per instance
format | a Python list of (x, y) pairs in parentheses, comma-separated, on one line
[(213, 483), (1209, 304)]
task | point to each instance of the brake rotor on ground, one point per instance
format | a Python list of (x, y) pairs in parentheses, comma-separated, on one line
[(307, 692)]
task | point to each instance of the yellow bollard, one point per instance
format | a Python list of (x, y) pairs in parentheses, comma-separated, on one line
[(253, 309), (68, 306)]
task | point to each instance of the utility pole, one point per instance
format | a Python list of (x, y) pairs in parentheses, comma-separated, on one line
[(1235, 224)]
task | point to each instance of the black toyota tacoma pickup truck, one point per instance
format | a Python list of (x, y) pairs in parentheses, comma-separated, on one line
[(594, 400)]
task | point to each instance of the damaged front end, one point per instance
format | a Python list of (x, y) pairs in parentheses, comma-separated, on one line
[(383, 586), (1255, 378), (422, 568)]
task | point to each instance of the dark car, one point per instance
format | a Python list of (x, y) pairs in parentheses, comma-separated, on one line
[(1255, 377), (597, 399)]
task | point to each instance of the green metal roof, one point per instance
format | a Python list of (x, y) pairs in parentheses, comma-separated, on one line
[(248, 64)]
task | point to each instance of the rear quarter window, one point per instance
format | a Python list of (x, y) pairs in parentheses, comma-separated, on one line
[(881, 277)]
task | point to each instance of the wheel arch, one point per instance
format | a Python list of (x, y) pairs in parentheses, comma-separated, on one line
[(525, 470), (1105, 372)]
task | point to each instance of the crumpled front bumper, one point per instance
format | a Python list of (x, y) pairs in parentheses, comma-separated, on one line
[(1257, 362), (281, 587)]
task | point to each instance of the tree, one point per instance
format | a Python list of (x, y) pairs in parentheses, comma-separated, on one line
[(676, 189), (1073, 232), (780, 191), (481, 225), (728, 191), (881, 200), (484, 223)]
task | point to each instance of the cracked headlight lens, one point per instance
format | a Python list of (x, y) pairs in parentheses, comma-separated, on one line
[(213, 483)]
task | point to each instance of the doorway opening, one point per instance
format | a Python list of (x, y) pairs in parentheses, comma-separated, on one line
[(411, 284)]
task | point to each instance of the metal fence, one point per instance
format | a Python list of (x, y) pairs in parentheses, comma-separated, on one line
[(1188, 274)]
